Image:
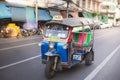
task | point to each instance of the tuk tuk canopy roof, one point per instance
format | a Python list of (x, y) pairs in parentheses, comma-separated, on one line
[(72, 22)]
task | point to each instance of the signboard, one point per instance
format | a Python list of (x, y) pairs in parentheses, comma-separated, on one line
[(57, 17)]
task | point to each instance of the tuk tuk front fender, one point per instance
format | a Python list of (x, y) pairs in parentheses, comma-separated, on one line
[(51, 54)]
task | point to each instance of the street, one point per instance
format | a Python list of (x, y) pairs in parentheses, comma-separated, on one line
[(20, 59)]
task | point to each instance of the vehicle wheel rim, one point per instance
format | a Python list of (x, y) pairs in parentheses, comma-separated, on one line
[(52, 72)]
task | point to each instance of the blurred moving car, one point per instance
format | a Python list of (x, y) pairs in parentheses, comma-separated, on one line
[(117, 24), (106, 25), (96, 25)]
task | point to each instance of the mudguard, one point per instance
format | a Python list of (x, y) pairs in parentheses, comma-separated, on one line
[(51, 54)]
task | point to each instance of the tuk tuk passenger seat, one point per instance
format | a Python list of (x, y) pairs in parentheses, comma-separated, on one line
[(81, 39)]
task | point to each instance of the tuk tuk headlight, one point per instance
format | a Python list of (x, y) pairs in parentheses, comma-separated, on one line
[(65, 46), (51, 45), (40, 44)]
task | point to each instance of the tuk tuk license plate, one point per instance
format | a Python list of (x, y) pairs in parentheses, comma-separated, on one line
[(54, 38), (77, 57)]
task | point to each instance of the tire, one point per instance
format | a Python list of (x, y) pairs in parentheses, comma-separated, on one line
[(89, 58), (49, 71)]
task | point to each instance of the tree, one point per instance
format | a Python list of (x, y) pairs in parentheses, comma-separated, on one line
[(95, 14)]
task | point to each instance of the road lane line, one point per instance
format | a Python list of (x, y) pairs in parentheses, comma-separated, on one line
[(99, 37), (17, 46), (12, 64), (23, 39), (31, 44), (98, 68), (22, 61)]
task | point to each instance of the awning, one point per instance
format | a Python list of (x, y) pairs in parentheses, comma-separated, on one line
[(43, 15), (27, 14), (24, 14), (100, 17), (4, 11), (90, 15), (18, 14), (105, 19), (87, 15), (30, 15)]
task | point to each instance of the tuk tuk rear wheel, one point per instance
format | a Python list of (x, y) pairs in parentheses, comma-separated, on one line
[(49, 70), (89, 58)]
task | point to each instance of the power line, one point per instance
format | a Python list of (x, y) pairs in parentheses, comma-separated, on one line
[(57, 5)]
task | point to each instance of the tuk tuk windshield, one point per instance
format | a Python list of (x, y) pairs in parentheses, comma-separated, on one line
[(57, 31)]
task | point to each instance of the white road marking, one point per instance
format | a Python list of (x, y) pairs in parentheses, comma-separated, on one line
[(23, 39), (13, 64), (98, 68), (99, 37), (17, 46), (31, 44), (37, 43)]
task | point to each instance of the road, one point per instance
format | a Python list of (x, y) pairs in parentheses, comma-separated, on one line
[(20, 59)]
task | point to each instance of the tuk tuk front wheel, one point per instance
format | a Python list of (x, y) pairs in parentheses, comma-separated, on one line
[(89, 58), (49, 70)]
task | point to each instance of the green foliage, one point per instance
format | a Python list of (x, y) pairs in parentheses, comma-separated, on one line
[(95, 14)]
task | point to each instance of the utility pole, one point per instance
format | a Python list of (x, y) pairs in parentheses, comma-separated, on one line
[(67, 7), (36, 12), (78, 3)]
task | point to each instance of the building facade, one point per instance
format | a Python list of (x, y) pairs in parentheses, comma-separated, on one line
[(108, 8), (89, 5)]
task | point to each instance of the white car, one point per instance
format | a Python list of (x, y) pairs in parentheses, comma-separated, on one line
[(106, 25), (117, 24)]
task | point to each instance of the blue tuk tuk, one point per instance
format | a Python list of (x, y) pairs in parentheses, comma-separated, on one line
[(65, 44)]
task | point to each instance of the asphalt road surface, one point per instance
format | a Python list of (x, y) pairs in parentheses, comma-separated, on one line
[(20, 59)]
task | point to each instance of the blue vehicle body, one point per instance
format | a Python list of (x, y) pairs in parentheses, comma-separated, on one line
[(63, 53)]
